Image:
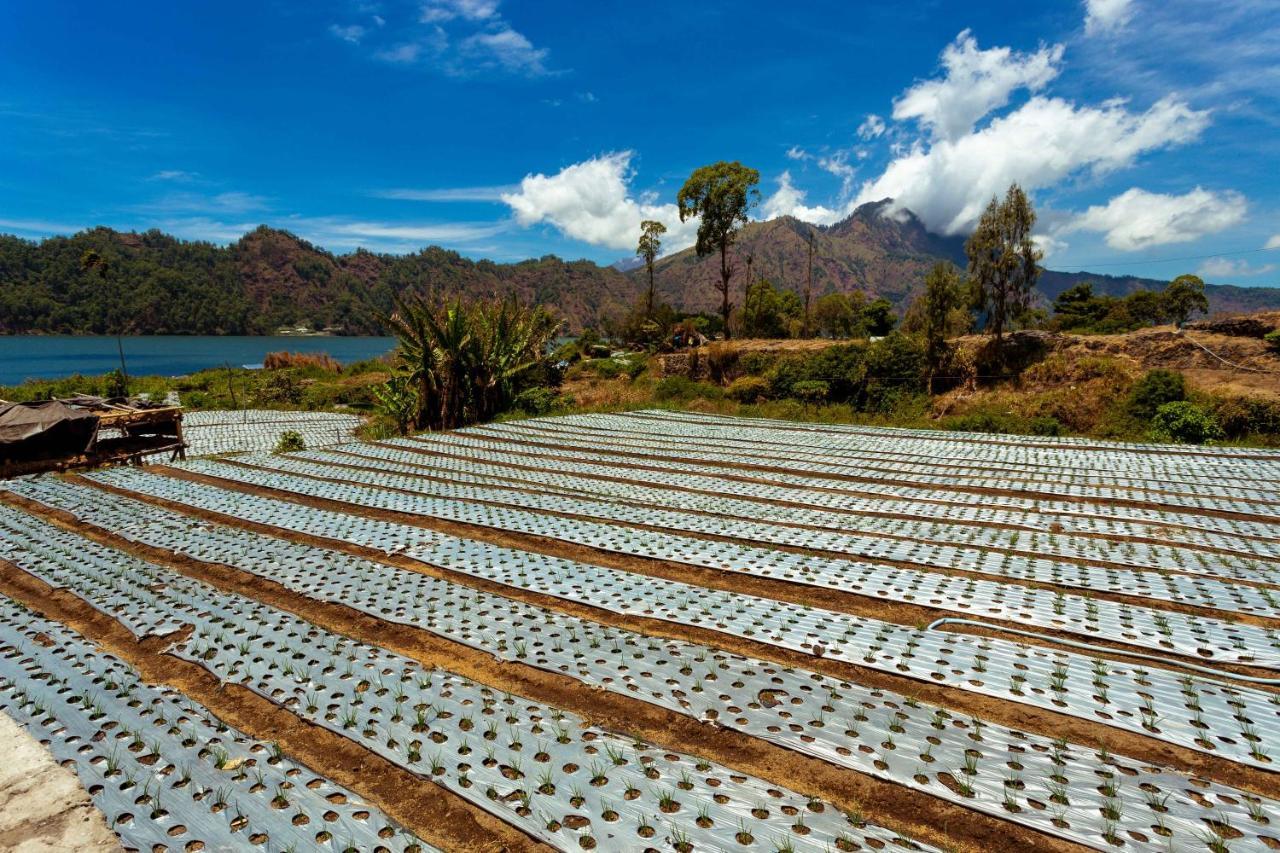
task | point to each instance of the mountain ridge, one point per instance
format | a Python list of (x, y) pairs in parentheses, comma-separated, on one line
[(271, 278)]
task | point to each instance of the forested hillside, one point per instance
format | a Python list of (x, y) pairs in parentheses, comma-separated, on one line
[(154, 283), (157, 284)]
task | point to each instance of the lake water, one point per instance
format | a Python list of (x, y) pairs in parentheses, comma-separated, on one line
[(25, 357)]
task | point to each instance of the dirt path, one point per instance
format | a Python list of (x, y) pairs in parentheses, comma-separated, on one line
[(43, 808)]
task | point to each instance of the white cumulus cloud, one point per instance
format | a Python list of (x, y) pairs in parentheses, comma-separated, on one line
[(1273, 243), (1106, 16), (1138, 219), (1049, 245), (947, 183), (871, 127), (789, 201), (975, 83), (592, 201), (1225, 267), (506, 49), (436, 11), (351, 32)]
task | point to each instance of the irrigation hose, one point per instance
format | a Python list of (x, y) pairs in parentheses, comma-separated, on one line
[(1219, 675)]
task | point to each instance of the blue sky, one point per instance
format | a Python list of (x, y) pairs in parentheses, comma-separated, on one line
[(1148, 132)]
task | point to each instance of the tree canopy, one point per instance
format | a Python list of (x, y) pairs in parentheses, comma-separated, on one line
[(720, 195), (1003, 260)]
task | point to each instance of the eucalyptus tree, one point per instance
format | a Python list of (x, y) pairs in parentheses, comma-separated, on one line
[(1004, 260), (649, 247), (721, 195)]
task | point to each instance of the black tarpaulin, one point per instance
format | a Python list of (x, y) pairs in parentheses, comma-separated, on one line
[(36, 430)]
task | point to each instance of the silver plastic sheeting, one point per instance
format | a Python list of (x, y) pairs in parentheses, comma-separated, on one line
[(541, 769), (519, 444), (164, 771), (988, 556), (657, 451), (1197, 637), (1097, 799), (1240, 723), (1048, 535), (209, 433)]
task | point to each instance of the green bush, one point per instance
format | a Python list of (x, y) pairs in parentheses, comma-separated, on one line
[(536, 401), (756, 362), (683, 388), (748, 389), (1046, 425), (290, 442), (1273, 339), (1154, 390), (1244, 416), (811, 390), (980, 422), (1183, 422)]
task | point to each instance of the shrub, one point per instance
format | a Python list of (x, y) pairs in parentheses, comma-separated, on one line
[(722, 363), (1241, 416), (1045, 425), (1154, 390), (285, 359), (811, 390), (684, 388), (979, 422), (1183, 422), (1273, 339), (280, 389), (536, 401), (290, 442), (748, 389), (757, 362)]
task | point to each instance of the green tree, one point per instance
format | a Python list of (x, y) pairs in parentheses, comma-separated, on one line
[(1183, 422), (806, 330), (878, 317), (768, 312), (1153, 390), (839, 315), (721, 195), (1003, 260), (648, 248), (943, 294), (1183, 297)]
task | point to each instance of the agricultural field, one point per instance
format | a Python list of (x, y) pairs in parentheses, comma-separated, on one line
[(657, 631), (214, 432)]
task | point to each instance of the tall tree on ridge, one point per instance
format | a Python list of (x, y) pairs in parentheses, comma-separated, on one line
[(650, 245), (1003, 260), (720, 194), (1183, 297), (807, 329), (943, 293)]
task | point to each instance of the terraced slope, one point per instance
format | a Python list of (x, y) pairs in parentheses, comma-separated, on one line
[(661, 631)]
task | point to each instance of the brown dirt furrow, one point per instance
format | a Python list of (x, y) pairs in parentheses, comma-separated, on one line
[(525, 487), (431, 812), (1013, 715), (862, 513), (915, 814), (651, 463), (850, 602), (906, 483)]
